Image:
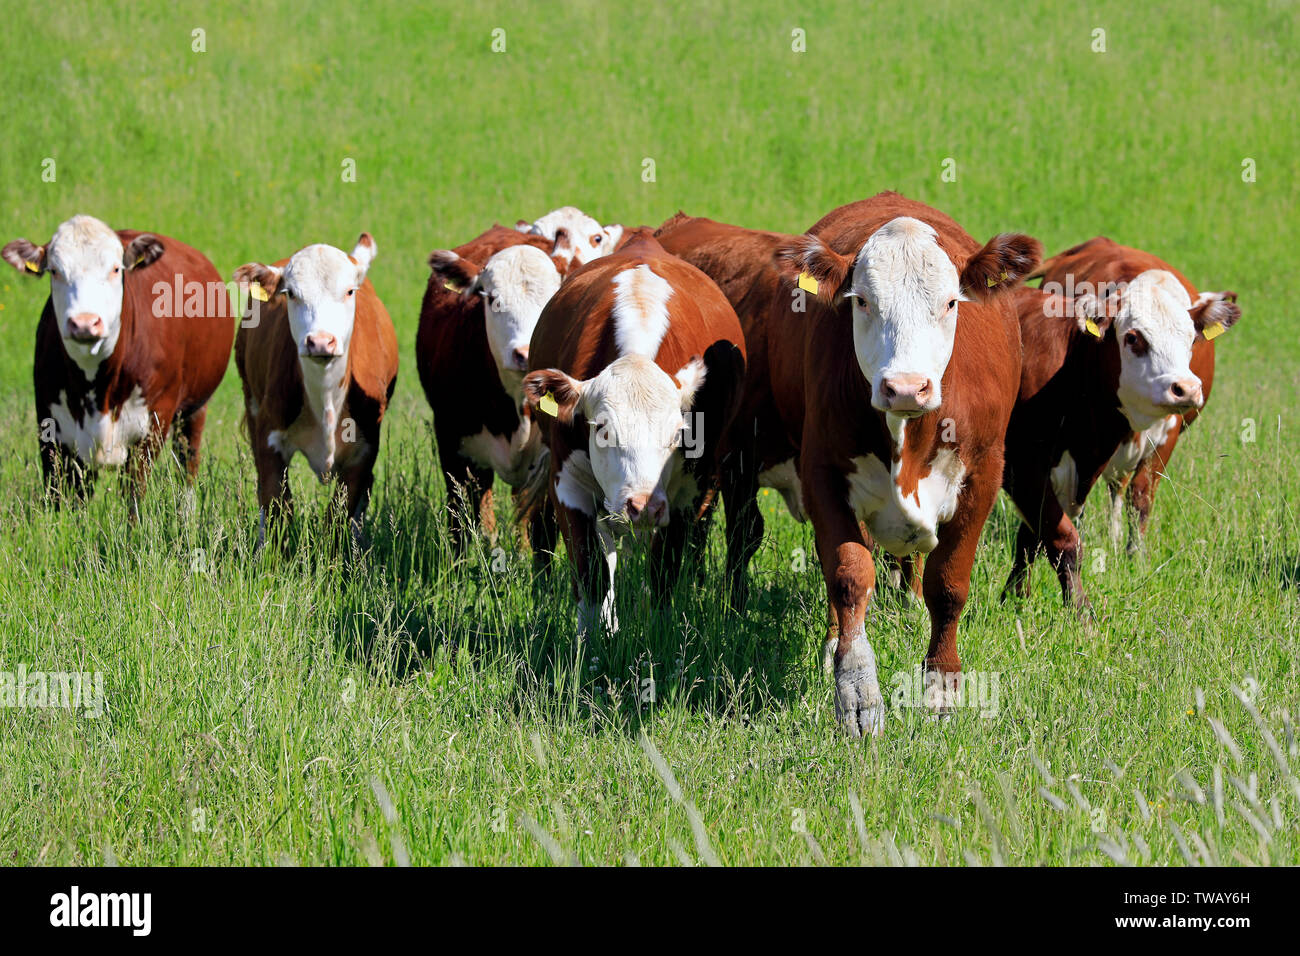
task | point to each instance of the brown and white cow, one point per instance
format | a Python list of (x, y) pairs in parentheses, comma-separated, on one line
[(1165, 330), (318, 362), (892, 358), (132, 342), (480, 306), (638, 363)]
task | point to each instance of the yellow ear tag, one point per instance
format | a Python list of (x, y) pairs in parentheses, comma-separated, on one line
[(31, 266), (1091, 328), (808, 283), (1213, 331), (549, 405), (451, 286), (258, 293)]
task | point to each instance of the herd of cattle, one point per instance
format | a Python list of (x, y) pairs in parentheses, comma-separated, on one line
[(884, 371)]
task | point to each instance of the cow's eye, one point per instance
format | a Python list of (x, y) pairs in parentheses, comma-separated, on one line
[(597, 239), (952, 304), (351, 292), (116, 270), (1131, 339)]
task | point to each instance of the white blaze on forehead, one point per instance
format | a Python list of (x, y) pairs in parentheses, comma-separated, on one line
[(640, 311), (517, 283), (582, 229), (906, 281), (82, 258), (1156, 305)]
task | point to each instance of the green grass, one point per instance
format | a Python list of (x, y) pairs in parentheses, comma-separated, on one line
[(263, 710)]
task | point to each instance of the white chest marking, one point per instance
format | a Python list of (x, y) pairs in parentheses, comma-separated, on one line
[(1065, 484), (785, 479), (904, 524), (102, 439), (510, 456), (576, 486), (318, 429), (1132, 453)]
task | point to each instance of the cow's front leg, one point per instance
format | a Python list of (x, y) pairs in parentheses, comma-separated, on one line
[(358, 481), (850, 582), (592, 551), (946, 586), (140, 458)]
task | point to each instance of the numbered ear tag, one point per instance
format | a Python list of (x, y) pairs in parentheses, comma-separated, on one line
[(549, 405), (1090, 326), (31, 266), (258, 293), (1213, 331), (808, 283), (451, 286)]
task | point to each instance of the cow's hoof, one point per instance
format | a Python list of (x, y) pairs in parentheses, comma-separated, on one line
[(859, 706), (941, 692)]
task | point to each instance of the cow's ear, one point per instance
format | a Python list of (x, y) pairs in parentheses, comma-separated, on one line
[(456, 274), (142, 251), (613, 236), (1004, 261), (807, 263), (25, 257), (563, 247), (1214, 313), (554, 392), (364, 253), (261, 281), (690, 377), (523, 225), (1092, 315)]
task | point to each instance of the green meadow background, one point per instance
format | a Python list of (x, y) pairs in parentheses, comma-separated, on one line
[(394, 707)]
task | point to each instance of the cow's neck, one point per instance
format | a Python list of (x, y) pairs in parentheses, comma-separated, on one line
[(325, 389), (92, 374)]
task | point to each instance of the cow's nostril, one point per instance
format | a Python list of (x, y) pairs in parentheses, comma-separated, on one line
[(520, 356), (887, 390), (1178, 390)]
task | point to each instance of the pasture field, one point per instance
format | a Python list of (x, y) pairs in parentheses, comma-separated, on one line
[(323, 709)]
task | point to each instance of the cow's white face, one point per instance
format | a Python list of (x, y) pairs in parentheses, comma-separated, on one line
[(516, 284), (87, 265), (580, 238), (634, 412), (1155, 333), (320, 285), (905, 293)]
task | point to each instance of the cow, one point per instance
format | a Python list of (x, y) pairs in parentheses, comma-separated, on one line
[(318, 362), (132, 342), (630, 345), (1165, 330), (480, 305), (577, 237), (891, 411)]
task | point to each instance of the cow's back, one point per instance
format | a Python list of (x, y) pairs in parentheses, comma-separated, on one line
[(198, 337)]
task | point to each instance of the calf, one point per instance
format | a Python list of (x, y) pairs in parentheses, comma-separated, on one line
[(628, 345), (480, 306), (1164, 330), (132, 342), (318, 361), (910, 363)]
